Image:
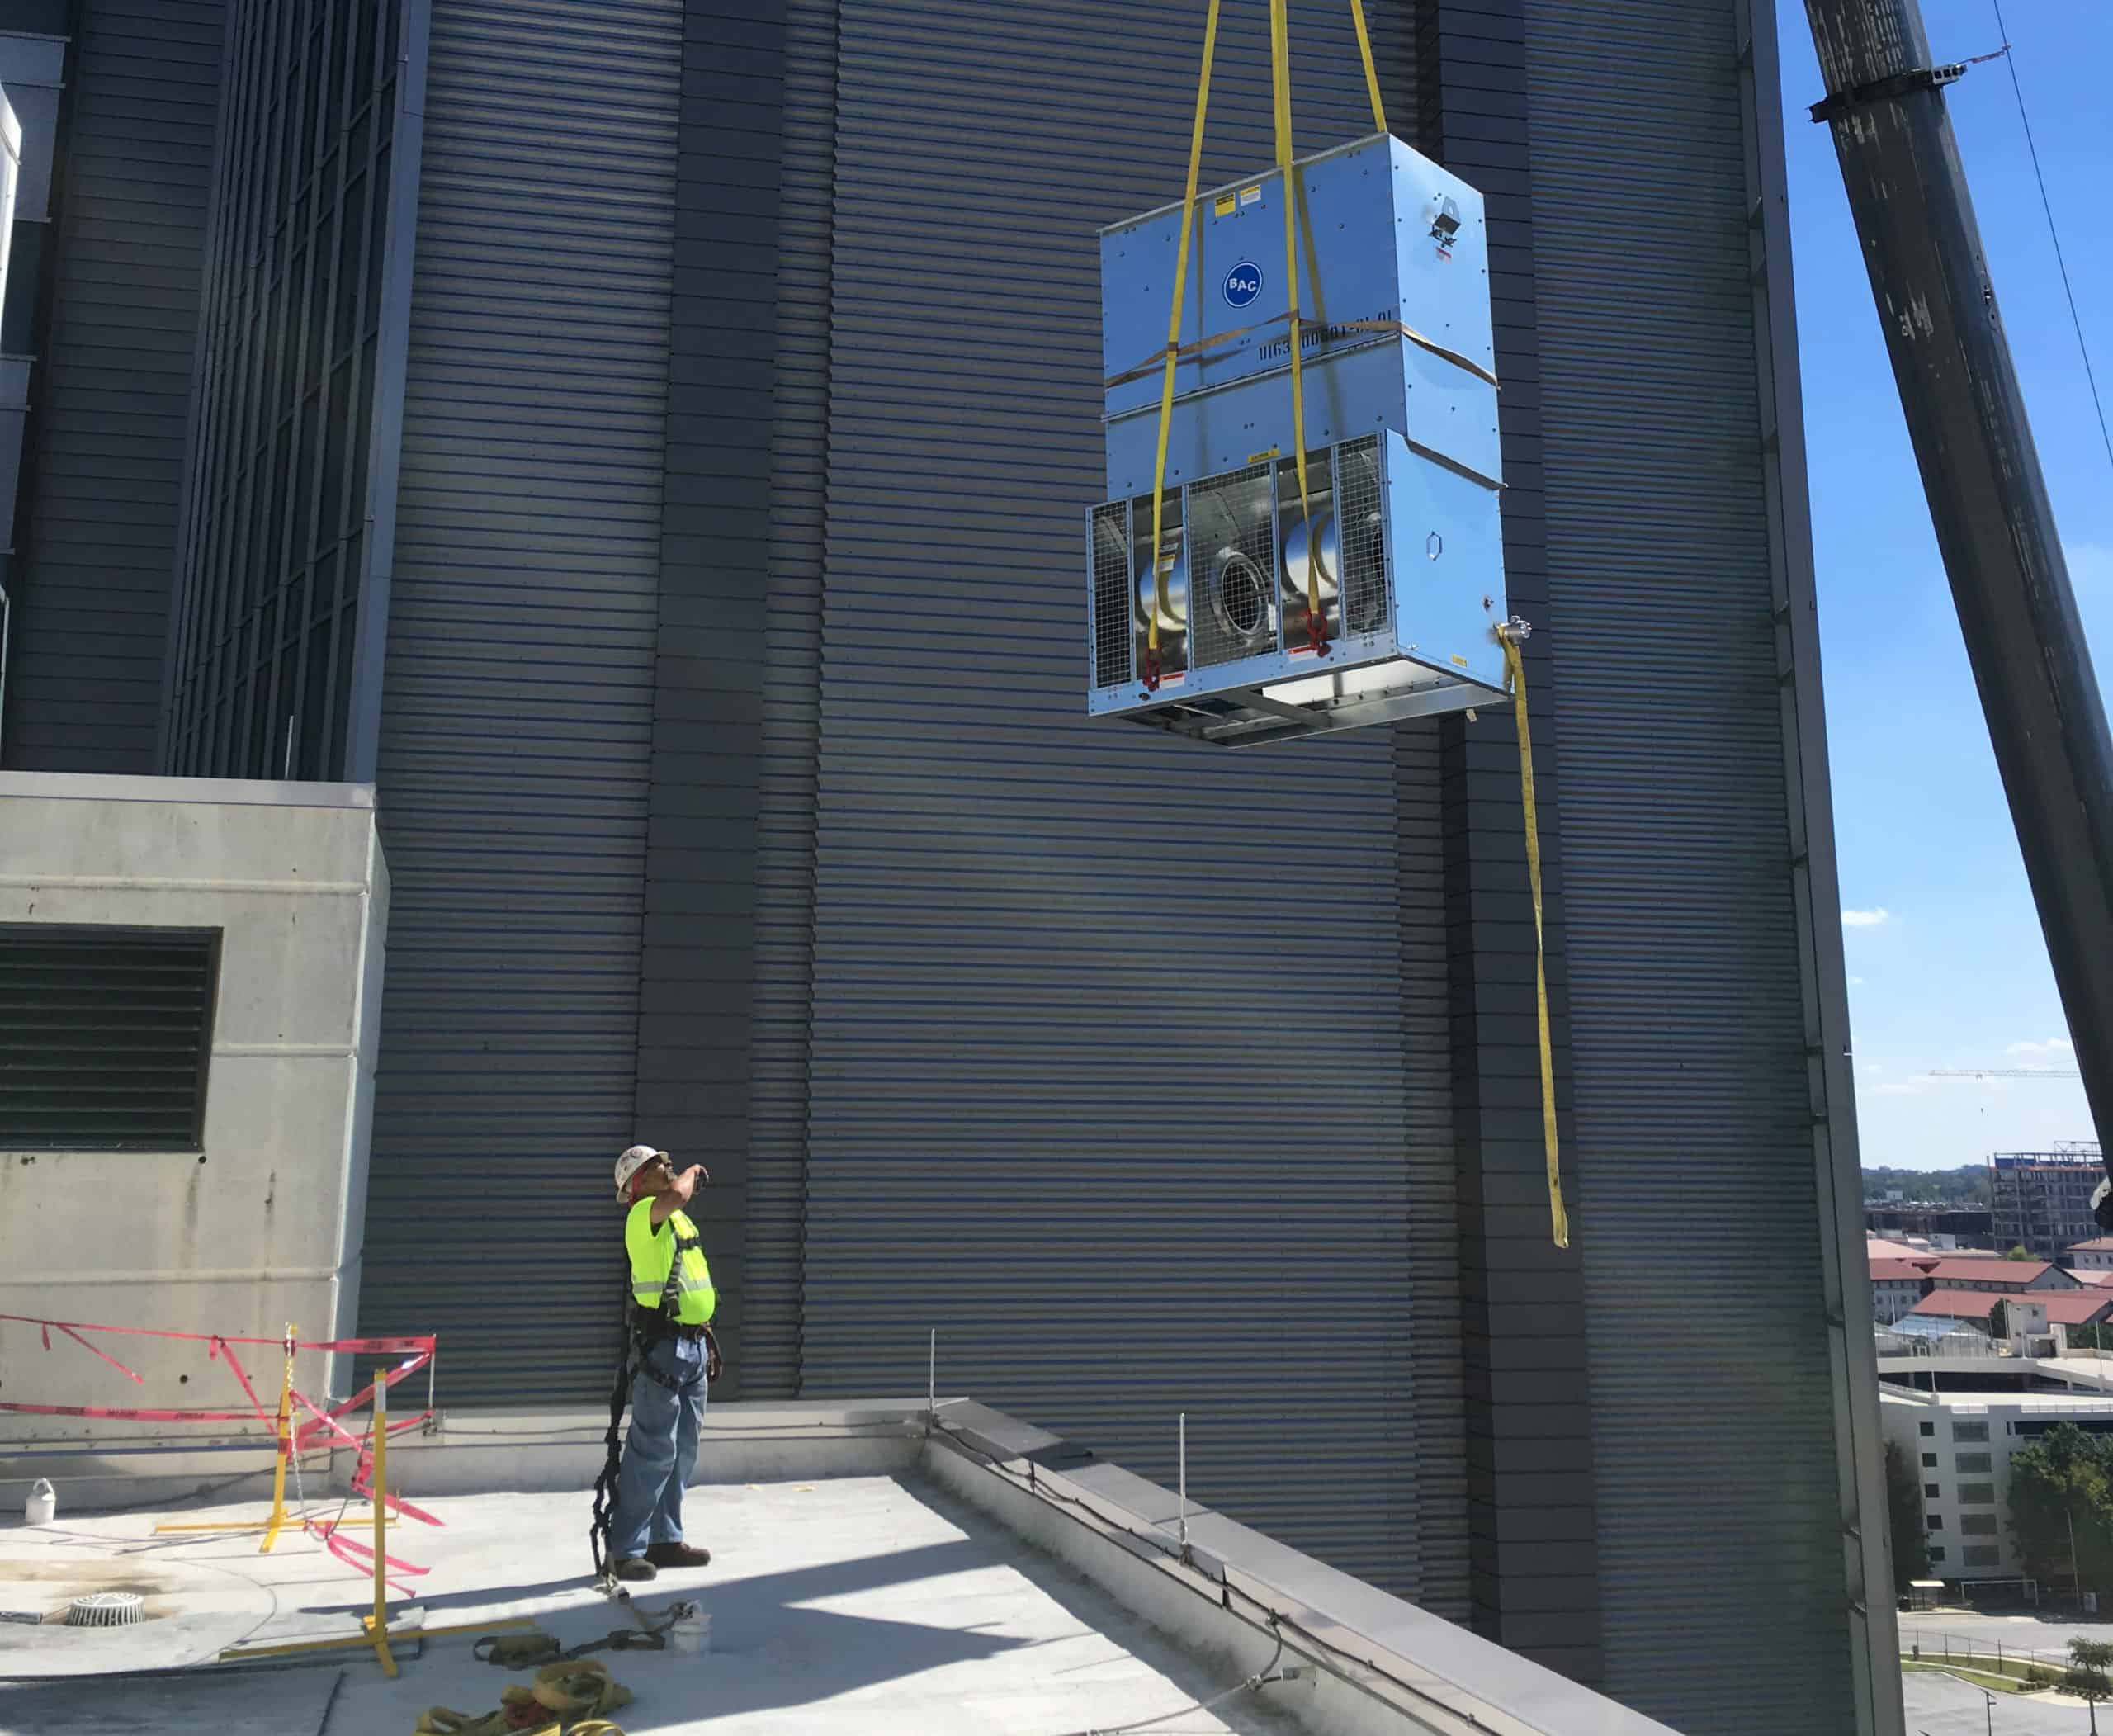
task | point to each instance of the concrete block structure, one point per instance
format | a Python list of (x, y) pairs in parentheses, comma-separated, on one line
[(214, 951)]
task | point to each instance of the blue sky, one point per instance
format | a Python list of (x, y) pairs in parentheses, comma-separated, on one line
[(1947, 967)]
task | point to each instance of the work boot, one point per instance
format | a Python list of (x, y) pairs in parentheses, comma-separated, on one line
[(677, 1555), (636, 1566)]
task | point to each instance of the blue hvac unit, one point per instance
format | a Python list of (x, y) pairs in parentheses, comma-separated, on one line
[(1404, 550)]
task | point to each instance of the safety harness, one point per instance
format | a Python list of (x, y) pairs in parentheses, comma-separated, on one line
[(642, 1329)]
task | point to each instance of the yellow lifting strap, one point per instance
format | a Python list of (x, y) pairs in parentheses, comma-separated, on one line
[(1173, 343), (1515, 669), (1280, 79), (1280, 104), (1371, 73)]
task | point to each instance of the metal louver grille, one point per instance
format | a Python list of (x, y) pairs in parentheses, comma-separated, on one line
[(1363, 543), (104, 1034), (1111, 594), (1233, 567)]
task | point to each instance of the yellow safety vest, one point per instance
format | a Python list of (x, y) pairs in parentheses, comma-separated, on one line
[(653, 1256)]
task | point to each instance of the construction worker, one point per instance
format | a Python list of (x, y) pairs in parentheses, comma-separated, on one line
[(677, 1360)]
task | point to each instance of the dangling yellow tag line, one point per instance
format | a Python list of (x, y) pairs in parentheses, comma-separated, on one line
[(1514, 670)]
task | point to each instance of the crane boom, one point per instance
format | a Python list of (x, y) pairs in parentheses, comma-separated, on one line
[(1987, 498)]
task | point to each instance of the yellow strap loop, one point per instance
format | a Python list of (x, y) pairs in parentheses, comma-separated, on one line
[(1173, 334), (1515, 670), (1371, 72), (1280, 103), (1280, 75)]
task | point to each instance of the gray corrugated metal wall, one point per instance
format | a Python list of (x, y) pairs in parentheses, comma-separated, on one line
[(107, 427), (517, 717), (1437, 1374), (785, 870), (1691, 1106), (1107, 1055), (1528, 1422)]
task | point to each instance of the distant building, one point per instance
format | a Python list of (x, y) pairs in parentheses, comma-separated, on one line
[(1959, 1446), (2094, 1256), (2042, 1200), (2004, 1276), (2018, 1319), (2037, 1324), (1896, 1285), (1964, 1226)]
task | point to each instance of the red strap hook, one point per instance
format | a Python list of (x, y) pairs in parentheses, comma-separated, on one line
[(1151, 669)]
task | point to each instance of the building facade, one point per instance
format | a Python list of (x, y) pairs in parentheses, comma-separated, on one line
[(1945, 1225), (1896, 1285), (2094, 1256), (2042, 1200), (650, 443), (1960, 1445)]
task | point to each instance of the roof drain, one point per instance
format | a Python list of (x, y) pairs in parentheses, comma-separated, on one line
[(106, 1609)]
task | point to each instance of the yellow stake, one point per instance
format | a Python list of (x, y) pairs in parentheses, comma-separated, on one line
[(377, 1623), (284, 1435)]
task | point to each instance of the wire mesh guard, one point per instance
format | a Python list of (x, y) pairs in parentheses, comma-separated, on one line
[(1362, 539), (1112, 544), (1232, 554)]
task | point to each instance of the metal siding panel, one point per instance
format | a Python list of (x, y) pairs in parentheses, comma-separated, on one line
[(1534, 1580), (1107, 1045), (1434, 1296), (785, 842), (517, 707), (696, 1039), (107, 432), (1687, 1028)]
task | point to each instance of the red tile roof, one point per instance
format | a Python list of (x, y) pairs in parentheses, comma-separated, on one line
[(2065, 1307), (2075, 1308), (1901, 1270), (1959, 1304), (1988, 1269), (2097, 1245), (2092, 1275)]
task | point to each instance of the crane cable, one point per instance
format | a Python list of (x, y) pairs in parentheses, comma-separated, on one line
[(1280, 104)]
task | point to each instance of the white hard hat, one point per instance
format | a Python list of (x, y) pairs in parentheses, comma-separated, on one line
[(630, 1164)]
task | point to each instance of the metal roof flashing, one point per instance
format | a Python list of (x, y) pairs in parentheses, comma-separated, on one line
[(1380, 1663)]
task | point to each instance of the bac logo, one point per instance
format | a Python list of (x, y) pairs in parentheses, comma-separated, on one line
[(1243, 283)]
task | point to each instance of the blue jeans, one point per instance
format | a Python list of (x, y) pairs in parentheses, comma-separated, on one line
[(660, 1450)]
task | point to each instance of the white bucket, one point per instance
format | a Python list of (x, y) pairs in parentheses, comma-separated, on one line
[(692, 1632), (42, 1504)]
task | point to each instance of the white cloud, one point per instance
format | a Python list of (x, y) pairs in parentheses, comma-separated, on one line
[(2052, 1046), (1856, 982), (1866, 919)]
